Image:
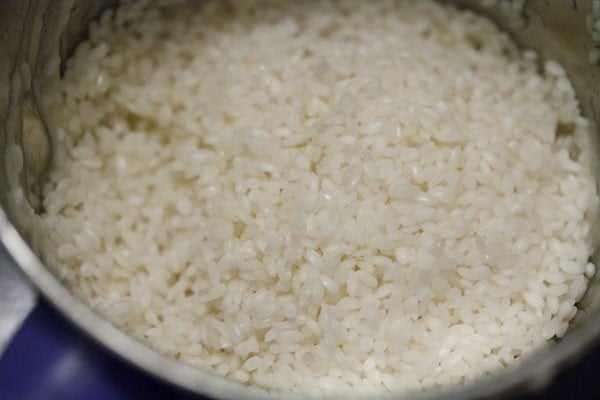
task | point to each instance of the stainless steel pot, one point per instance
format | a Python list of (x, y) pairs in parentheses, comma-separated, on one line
[(37, 36)]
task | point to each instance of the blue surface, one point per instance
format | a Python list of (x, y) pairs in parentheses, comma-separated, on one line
[(50, 360)]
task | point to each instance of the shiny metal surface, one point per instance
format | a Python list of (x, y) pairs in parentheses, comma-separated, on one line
[(35, 39), (17, 299)]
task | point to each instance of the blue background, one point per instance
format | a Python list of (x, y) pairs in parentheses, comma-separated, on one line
[(49, 359)]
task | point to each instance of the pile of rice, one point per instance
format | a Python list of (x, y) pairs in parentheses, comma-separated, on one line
[(324, 197)]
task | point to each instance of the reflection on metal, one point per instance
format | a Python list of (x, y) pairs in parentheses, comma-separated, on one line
[(17, 298)]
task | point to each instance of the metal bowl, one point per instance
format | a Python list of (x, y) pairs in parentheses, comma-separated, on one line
[(36, 37)]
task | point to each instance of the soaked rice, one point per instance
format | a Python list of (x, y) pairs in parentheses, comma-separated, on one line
[(333, 198)]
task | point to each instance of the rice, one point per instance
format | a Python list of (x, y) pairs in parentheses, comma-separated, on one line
[(327, 198)]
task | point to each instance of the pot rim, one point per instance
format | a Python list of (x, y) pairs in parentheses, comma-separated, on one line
[(533, 372)]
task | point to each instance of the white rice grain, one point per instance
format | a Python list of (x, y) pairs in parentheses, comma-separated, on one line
[(348, 198)]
